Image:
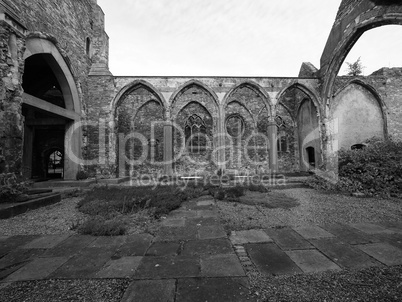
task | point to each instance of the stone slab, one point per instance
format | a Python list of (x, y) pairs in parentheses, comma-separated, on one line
[(207, 213), (370, 228), (84, 265), (134, 245), (312, 261), (221, 266), (249, 236), (312, 232), (3, 238), (207, 247), (201, 221), (343, 254), (39, 268), (206, 202), (107, 241), (213, 289), (168, 267), (288, 239), (349, 234), (270, 259), (211, 232), (22, 207), (164, 249), (176, 234), (70, 247), (183, 213), (14, 242), (151, 291), (120, 268), (174, 222), (46, 242), (383, 252), (392, 239), (18, 256)]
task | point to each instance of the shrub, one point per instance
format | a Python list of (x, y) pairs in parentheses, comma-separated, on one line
[(375, 170), (99, 226), (81, 175), (235, 192), (11, 187)]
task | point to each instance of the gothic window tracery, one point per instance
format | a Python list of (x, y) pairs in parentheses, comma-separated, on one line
[(195, 133)]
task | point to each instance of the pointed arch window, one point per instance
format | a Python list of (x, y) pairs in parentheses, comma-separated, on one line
[(195, 132)]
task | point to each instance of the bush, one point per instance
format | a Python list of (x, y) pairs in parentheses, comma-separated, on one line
[(375, 170), (11, 187), (109, 202), (235, 192), (82, 175), (99, 226)]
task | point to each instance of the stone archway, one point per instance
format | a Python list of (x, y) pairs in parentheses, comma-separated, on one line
[(51, 106), (353, 19)]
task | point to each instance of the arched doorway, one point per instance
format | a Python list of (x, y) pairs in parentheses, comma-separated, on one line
[(51, 107)]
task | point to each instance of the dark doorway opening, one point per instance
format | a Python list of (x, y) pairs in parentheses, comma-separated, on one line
[(311, 156)]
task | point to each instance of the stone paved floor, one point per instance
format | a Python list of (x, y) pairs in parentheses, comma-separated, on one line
[(192, 258)]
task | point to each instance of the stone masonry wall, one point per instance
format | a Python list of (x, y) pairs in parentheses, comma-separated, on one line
[(12, 48)]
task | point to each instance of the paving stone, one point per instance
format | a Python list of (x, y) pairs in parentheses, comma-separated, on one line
[(211, 232), (176, 234), (46, 242), (4, 238), (168, 267), (120, 268), (18, 256), (150, 291), (207, 213), (207, 247), (163, 249), (349, 235), (312, 232), (392, 239), (39, 268), (174, 222), (391, 224), (288, 239), (14, 242), (212, 289), (370, 228), (249, 236), (134, 245), (70, 247), (343, 254), (11, 269), (221, 266), (203, 221), (206, 202), (269, 259), (312, 261), (86, 264), (108, 241), (383, 252), (182, 213)]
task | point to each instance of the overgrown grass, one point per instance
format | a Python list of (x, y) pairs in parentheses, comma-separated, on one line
[(107, 205)]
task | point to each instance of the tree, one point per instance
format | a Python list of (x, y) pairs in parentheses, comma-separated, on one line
[(355, 69)]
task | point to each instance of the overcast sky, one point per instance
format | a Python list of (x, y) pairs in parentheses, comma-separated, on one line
[(232, 37)]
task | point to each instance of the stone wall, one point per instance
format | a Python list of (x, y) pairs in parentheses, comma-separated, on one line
[(214, 100), (75, 27)]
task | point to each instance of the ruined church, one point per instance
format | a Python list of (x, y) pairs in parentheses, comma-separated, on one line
[(62, 111)]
